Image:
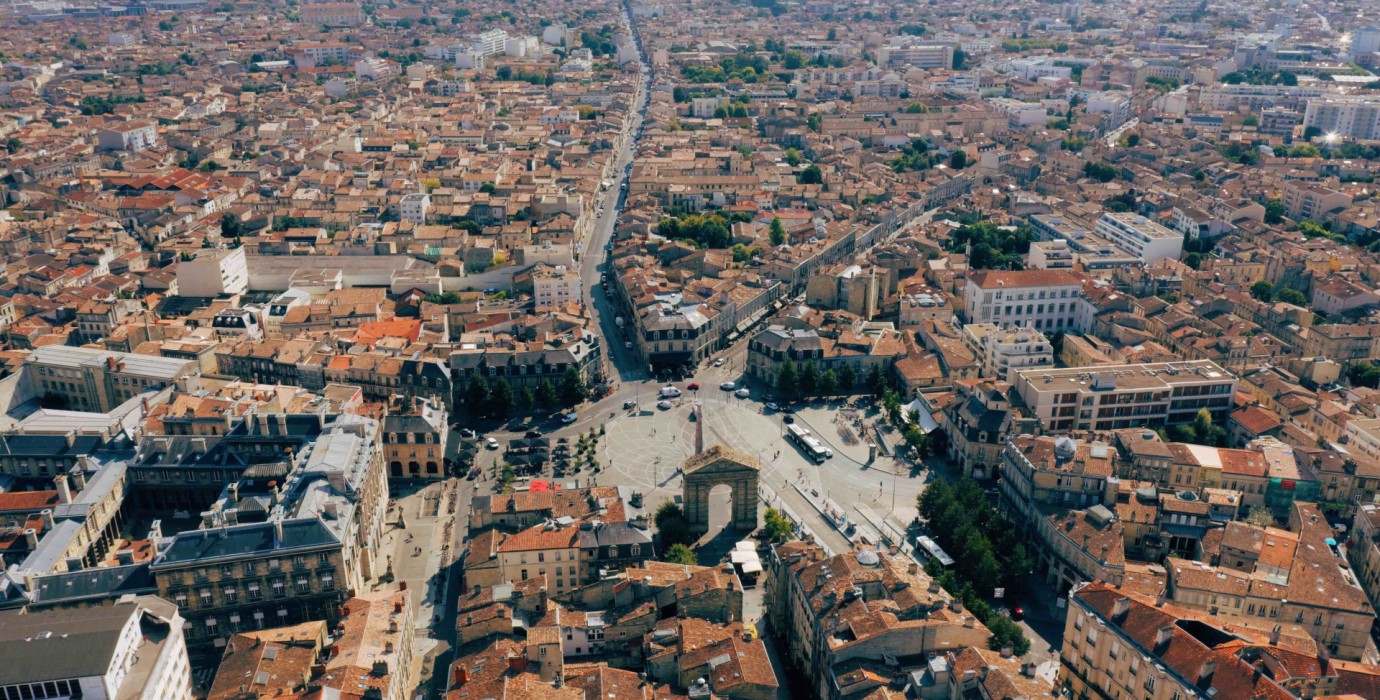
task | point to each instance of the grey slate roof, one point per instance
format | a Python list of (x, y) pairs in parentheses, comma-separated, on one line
[(241, 540), (55, 644)]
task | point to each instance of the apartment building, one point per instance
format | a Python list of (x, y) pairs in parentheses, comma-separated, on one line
[(860, 346), (1299, 579), (414, 442), (213, 272), (1119, 643), (414, 207), (131, 650), (332, 14), (978, 422), (1308, 200), (1126, 396), (129, 136), (1224, 97), (906, 52), (1051, 255), (1352, 117), (1148, 241), (1363, 549), (85, 379), (1005, 351), (848, 287), (277, 661), (309, 54), (564, 552), (490, 43), (555, 285), (1045, 300), (285, 553), (374, 640), (851, 610)]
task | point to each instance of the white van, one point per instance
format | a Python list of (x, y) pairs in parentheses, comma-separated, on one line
[(669, 392)]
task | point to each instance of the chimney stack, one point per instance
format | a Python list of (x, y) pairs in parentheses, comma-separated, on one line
[(1274, 635), (31, 538), (1121, 608), (1163, 635), (1205, 673), (64, 490), (78, 476)]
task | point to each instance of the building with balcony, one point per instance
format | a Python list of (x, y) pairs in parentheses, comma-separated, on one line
[(1110, 397)]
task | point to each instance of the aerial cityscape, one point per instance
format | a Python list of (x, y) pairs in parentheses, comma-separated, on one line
[(689, 350)]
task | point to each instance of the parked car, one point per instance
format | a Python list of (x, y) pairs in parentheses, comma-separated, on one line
[(669, 392), (468, 434), (741, 393), (1017, 613), (532, 434), (728, 386), (719, 362), (491, 443), (788, 418), (629, 404), (693, 386), (771, 406), (664, 405), (569, 417)]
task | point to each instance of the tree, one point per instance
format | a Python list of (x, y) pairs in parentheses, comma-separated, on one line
[(1260, 516), (848, 378), (793, 157), (671, 525), (1264, 291), (811, 175), (1292, 296), (546, 394), (778, 527), (573, 389), (501, 402), (1193, 260), (960, 59), (526, 399), (787, 381), (793, 60), (681, 554), (13, 144), (876, 381), (1365, 374), (778, 231), (958, 160), (1100, 171), (477, 395), (1274, 210), (1131, 140), (230, 226), (809, 379), (828, 383)]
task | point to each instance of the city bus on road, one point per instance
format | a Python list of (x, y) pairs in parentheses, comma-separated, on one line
[(808, 443), (929, 549)]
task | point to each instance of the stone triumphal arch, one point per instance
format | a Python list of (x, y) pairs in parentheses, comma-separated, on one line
[(721, 465)]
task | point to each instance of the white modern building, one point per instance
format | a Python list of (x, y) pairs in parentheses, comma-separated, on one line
[(315, 53), (1365, 40), (1005, 351), (130, 136), (1345, 117), (1112, 397), (490, 43), (1050, 255), (555, 285), (213, 272), (132, 650), (414, 207), (904, 51), (1140, 236), (1045, 300)]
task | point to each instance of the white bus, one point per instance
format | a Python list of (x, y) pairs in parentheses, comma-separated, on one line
[(929, 549), (808, 444)]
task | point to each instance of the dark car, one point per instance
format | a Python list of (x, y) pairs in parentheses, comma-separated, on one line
[(1017, 613), (468, 434), (532, 434), (788, 418)]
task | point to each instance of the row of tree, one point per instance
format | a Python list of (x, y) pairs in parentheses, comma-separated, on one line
[(805, 380), (988, 554), (496, 398)]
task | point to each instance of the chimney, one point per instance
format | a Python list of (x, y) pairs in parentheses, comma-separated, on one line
[(459, 675), (78, 476), (1205, 673), (47, 515), (31, 538), (232, 494), (1007, 650), (1162, 636), (278, 529), (517, 663), (1121, 608), (63, 489), (1274, 635)]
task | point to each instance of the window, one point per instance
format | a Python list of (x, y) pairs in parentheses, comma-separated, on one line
[(299, 561), (324, 558), (541, 557), (231, 596), (613, 551), (227, 570), (254, 592), (636, 549), (303, 585), (249, 568), (278, 588), (327, 581), (204, 595)]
